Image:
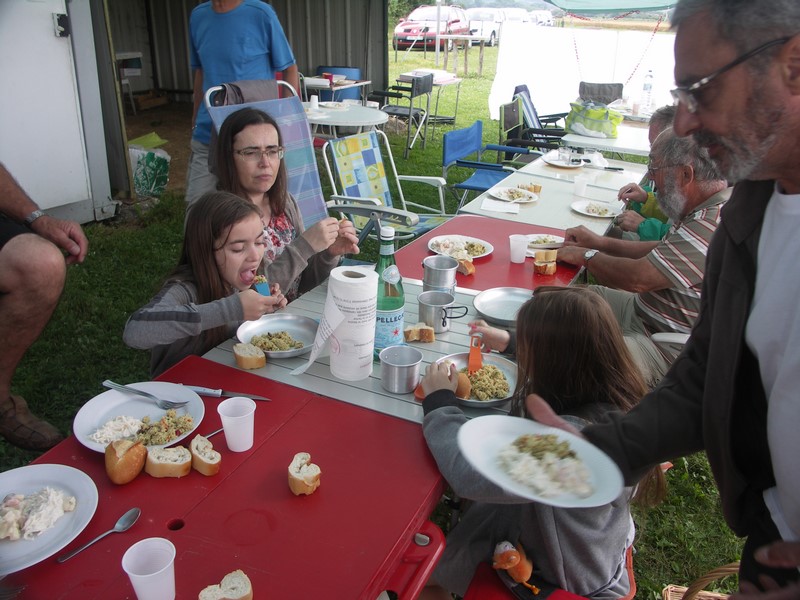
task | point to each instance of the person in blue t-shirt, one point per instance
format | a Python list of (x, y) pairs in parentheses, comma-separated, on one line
[(230, 40)]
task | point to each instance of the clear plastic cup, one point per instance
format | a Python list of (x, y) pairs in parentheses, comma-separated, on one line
[(518, 245), (581, 183), (238, 416), (150, 565)]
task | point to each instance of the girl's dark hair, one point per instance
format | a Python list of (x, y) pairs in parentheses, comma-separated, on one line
[(571, 352), (208, 224), (226, 157)]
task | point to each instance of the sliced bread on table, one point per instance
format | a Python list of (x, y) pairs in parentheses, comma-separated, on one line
[(419, 333), (205, 459), (465, 267), (249, 356), (124, 460), (168, 462), (234, 586), (303, 474)]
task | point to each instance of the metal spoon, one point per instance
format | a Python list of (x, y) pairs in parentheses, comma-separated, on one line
[(124, 523)]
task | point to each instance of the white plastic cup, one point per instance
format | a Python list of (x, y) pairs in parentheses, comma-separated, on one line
[(150, 565), (518, 245), (314, 102), (238, 421), (581, 182)]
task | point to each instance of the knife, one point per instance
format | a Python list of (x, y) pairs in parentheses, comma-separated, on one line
[(219, 393), (591, 166)]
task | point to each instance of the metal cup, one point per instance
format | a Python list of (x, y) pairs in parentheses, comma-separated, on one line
[(439, 273), (400, 369), (436, 309)]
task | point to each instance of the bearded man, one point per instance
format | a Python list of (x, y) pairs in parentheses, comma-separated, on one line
[(654, 287)]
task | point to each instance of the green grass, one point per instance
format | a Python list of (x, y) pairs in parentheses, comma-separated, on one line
[(129, 258)]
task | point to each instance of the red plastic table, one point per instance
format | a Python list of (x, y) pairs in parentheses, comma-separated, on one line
[(495, 270), (353, 538)]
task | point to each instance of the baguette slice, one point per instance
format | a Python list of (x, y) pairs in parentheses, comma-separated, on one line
[(544, 268), (124, 460), (249, 356), (464, 389), (466, 267), (303, 474), (168, 462), (419, 333), (205, 459), (234, 586)]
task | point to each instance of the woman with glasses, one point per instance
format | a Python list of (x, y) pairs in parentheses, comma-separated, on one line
[(250, 164)]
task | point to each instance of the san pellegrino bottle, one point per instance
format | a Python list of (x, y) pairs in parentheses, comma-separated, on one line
[(647, 92), (391, 299)]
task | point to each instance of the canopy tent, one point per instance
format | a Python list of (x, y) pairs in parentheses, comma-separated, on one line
[(601, 6)]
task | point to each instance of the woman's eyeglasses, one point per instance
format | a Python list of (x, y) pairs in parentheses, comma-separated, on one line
[(687, 95), (254, 154)]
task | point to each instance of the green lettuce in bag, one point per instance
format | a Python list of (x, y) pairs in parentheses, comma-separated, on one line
[(593, 120)]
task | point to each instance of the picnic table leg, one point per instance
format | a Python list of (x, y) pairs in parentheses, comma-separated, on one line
[(466, 57), (446, 55), (480, 60)]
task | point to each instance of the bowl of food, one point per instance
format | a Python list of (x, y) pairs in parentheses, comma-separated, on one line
[(491, 386), (280, 335)]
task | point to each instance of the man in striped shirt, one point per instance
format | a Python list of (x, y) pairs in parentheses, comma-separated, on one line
[(655, 286)]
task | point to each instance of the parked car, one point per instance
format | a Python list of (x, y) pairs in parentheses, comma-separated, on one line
[(486, 22), (516, 14), (541, 17), (419, 28)]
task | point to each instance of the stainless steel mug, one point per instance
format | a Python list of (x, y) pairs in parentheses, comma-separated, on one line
[(400, 369), (439, 273), (436, 309)]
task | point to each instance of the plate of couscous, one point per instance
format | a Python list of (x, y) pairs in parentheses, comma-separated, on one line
[(491, 386), (115, 415)]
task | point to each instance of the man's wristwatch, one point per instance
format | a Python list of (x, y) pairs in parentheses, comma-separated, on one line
[(33, 216), (588, 255)]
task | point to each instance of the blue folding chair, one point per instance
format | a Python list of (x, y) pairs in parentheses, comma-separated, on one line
[(460, 144), (351, 73)]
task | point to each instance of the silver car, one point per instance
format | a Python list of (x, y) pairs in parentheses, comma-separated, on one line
[(486, 22)]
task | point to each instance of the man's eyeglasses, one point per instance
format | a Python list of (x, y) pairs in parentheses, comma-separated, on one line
[(651, 171), (255, 154), (686, 94)]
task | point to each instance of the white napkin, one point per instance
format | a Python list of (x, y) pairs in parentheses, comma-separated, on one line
[(597, 159), (500, 206)]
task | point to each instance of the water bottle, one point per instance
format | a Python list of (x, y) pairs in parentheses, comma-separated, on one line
[(647, 92), (391, 299)]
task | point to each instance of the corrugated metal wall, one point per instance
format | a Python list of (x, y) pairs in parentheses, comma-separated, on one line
[(321, 32)]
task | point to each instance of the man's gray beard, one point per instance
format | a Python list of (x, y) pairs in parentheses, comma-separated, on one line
[(671, 200), (746, 148)]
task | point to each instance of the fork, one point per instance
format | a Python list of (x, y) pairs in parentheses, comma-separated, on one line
[(7, 593), (161, 403)]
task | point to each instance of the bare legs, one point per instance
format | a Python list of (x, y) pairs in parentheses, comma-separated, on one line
[(32, 273)]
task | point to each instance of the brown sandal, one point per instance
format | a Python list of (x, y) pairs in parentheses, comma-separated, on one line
[(22, 428)]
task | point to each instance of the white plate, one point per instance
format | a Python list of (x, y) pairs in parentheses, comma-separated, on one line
[(459, 238), (22, 553), (500, 305), (102, 408), (581, 206), (481, 439), (333, 105), (508, 368), (537, 242), (551, 158), (504, 193), (303, 329)]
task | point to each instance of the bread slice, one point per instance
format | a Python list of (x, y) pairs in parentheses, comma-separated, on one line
[(249, 356), (124, 460), (303, 474), (168, 462), (419, 333), (464, 389), (545, 256), (466, 267), (234, 586), (205, 459), (544, 268)]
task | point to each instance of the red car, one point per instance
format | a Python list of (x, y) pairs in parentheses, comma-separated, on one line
[(419, 28)]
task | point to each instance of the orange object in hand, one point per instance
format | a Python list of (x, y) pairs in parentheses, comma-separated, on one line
[(475, 360)]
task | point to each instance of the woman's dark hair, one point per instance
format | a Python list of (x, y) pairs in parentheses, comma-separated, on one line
[(208, 225), (571, 352), (226, 157)]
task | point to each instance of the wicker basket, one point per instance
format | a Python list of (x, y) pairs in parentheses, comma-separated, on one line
[(695, 590)]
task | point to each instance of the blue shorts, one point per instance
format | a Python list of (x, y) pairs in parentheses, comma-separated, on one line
[(10, 229)]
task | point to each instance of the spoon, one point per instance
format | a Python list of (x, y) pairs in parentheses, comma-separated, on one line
[(124, 523)]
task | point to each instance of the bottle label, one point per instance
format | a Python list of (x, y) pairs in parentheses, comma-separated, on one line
[(386, 249), (388, 328), (391, 274)]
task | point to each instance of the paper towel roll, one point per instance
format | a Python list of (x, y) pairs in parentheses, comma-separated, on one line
[(348, 323)]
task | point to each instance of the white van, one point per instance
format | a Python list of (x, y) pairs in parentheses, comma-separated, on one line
[(486, 22), (542, 17)]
